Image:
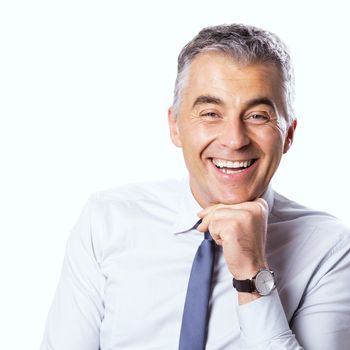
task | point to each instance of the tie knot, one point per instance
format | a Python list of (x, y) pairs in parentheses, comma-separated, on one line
[(208, 236)]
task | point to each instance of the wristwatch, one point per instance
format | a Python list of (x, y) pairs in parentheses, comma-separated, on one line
[(263, 283)]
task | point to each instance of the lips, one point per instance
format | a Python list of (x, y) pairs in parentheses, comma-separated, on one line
[(232, 167)]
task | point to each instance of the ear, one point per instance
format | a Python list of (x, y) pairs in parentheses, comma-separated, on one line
[(290, 135), (174, 128)]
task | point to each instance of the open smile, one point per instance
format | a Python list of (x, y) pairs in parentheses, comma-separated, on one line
[(232, 167)]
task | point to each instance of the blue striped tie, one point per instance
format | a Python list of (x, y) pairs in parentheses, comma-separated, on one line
[(195, 315)]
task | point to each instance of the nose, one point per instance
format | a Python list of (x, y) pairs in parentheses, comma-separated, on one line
[(233, 134)]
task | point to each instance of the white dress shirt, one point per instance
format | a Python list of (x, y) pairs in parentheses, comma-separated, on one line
[(128, 261)]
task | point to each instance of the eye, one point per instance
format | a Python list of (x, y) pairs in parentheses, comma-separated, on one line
[(257, 118), (210, 115)]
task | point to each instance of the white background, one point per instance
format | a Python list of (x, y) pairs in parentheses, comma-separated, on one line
[(84, 92)]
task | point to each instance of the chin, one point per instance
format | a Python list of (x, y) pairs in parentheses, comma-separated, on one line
[(236, 200), (233, 198)]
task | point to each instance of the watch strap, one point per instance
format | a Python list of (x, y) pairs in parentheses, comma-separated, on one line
[(245, 286)]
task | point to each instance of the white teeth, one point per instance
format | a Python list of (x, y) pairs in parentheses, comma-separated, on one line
[(227, 171), (233, 164), (220, 163)]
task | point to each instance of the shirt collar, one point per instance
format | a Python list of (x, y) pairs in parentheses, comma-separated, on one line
[(188, 208)]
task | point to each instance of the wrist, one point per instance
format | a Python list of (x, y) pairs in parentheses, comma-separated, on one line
[(262, 283), (248, 271)]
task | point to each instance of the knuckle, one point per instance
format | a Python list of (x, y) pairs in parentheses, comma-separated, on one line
[(214, 226), (262, 204), (248, 215)]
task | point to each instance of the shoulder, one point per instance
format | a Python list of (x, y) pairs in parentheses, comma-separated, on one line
[(139, 195), (308, 249), (133, 205), (303, 220), (114, 219)]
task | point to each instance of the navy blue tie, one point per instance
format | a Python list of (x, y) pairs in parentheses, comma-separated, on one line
[(195, 315)]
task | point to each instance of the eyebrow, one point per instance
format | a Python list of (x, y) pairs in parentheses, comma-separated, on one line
[(210, 99), (260, 101), (207, 99)]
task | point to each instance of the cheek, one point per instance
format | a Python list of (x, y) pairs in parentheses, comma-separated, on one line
[(196, 138), (270, 139)]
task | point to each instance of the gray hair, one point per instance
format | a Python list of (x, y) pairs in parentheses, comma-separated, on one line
[(245, 44)]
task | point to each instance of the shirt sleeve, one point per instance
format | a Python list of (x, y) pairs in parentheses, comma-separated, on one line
[(264, 325), (322, 320), (77, 310)]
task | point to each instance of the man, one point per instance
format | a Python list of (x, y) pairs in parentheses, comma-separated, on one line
[(128, 261)]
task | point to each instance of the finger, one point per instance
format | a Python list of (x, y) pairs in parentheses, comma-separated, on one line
[(217, 229), (222, 212), (207, 210), (202, 227), (262, 202)]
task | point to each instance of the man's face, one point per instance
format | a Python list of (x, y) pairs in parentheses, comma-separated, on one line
[(231, 127)]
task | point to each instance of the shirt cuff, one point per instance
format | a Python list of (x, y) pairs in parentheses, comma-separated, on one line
[(262, 320)]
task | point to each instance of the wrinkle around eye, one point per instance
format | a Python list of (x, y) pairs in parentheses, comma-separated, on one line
[(206, 117), (276, 124)]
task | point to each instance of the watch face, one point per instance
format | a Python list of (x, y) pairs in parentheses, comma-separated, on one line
[(264, 282)]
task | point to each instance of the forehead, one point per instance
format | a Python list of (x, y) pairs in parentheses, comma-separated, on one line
[(219, 75)]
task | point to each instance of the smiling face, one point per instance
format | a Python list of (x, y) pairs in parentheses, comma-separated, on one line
[(231, 127)]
